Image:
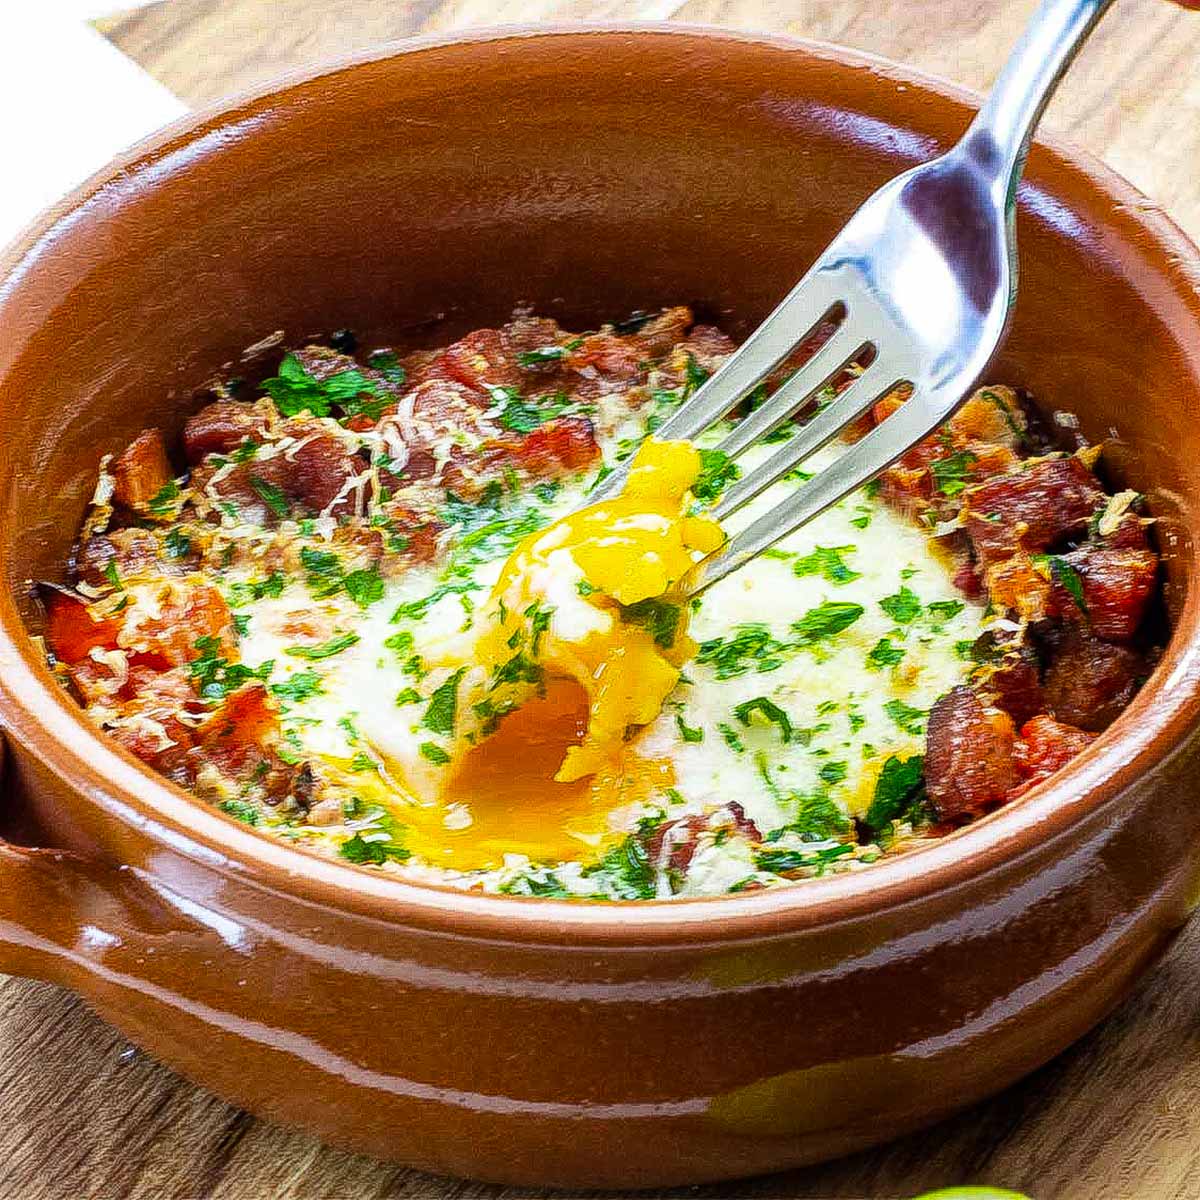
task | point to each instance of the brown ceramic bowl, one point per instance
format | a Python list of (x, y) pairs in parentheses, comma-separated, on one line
[(589, 172)]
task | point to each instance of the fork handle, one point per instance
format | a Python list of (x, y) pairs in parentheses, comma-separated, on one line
[(998, 139)]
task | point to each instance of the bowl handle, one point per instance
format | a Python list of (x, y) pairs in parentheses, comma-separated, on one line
[(64, 916)]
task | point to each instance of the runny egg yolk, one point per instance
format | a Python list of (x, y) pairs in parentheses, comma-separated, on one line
[(598, 598)]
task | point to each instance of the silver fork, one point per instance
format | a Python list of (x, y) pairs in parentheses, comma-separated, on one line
[(923, 278)]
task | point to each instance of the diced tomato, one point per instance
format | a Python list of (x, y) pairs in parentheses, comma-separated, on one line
[(72, 632)]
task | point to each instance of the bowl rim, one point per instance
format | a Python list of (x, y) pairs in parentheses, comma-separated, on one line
[(37, 714)]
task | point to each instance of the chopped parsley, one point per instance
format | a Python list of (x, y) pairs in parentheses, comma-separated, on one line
[(215, 677), (833, 772), (247, 591), (387, 363), (547, 354), (769, 711), (827, 562), (826, 621), (789, 862), (364, 587), (443, 705), (752, 647), (944, 610), (377, 844), (326, 649), (884, 654), (951, 475), (689, 733), (903, 606), (295, 391), (717, 472), (301, 686), (898, 789), (732, 738), (271, 495), (657, 617), (910, 720), (434, 753), (178, 544), (625, 871), (1066, 574), (162, 503), (242, 810)]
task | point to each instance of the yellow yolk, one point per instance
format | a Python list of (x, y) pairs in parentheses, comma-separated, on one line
[(598, 598)]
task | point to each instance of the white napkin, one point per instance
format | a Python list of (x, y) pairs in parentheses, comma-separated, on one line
[(69, 101)]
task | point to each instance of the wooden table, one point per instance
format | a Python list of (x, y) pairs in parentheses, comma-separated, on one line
[(82, 1114)]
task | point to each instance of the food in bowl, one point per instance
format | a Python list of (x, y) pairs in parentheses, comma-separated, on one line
[(376, 617)]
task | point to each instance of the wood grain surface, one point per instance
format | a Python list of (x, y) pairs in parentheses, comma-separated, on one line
[(82, 1114)]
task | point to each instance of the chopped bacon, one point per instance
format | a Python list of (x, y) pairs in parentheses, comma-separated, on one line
[(568, 442), (1031, 507), (132, 552), (1014, 684), (238, 739), (992, 415), (674, 844), (169, 638), (1089, 682), (1045, 745), (420, 533), (141, 471), (708, 346), (478, 361), (72, 633), (1117, 587), (220, 428), (1018, 585), (968, 756), (321, 466), (1130, 534)]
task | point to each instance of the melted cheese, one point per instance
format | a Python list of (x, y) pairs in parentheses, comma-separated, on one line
[(627, 727)]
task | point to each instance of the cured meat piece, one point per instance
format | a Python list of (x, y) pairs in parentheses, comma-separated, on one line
[(1107, 589), (992, 415), (1015, 686), (968, 756), (1045, 746), (132, 553), (1090, 681), (1031, 507), (220, 428), (321, 466), (675, 843), (141, 471)]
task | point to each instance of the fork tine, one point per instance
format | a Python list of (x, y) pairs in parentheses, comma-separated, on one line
[(822, 368), (811, 300), (861, 463), (810, 437), (800, 312)]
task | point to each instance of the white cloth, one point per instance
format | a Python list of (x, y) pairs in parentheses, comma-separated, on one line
[(69, 101)]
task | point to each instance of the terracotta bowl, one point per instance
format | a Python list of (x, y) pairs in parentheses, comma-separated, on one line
[(589, 172)]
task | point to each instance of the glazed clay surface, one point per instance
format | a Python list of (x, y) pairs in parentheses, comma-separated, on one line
[(534, 1041)]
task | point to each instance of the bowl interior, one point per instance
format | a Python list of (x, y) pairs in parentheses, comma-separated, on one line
[(584, 173)]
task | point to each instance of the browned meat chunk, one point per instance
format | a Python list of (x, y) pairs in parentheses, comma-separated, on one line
[(141, 472), (221, 428), (968, 757), (1110, 590), (320, 468), (675, 843), (1046, 745), (1090, 681), (131, 552), (1030, 508), (1015, 685)]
